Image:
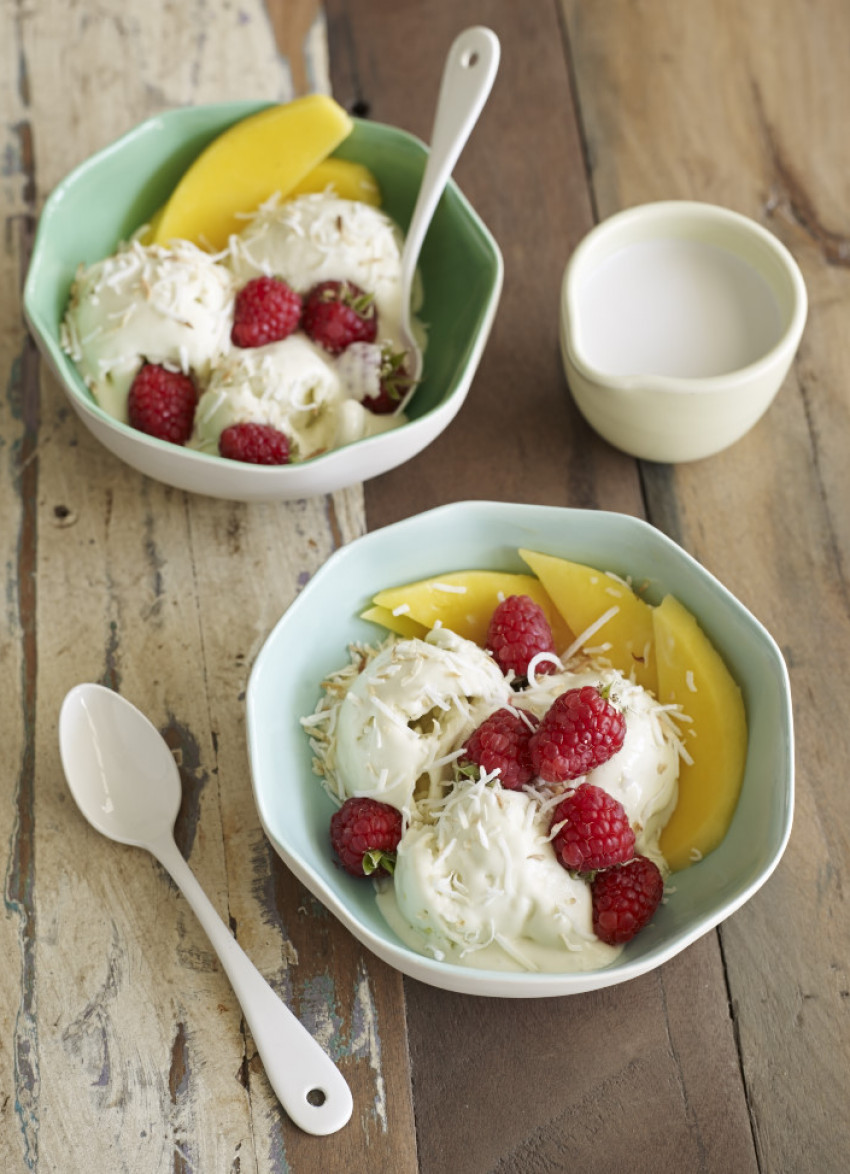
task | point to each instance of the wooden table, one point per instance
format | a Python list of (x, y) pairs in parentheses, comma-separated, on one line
[(122, 1047)]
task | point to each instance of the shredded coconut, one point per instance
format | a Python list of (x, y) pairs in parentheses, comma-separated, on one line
[(581, 640)]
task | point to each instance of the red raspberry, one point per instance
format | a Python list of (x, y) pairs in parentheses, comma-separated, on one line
[(395, 383), (596, 831), (256, 444), (625, 899), (267, 310), (518, 631), (581, 730), (501, 743), (338, 313), (162, 403), (365, 835)]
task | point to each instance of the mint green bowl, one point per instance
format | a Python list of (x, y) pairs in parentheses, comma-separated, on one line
[(285, 684), (115, 191)]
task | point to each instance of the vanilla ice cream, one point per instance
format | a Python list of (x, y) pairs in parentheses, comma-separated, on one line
[(477, 881), (174, 307), (394, 723), (171, 306), (320, 237), (291, 385), (480, 885)]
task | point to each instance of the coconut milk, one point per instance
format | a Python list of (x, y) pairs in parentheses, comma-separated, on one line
[(676, 307)]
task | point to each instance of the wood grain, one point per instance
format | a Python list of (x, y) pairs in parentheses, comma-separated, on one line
[(123, 1047), (738, 104)]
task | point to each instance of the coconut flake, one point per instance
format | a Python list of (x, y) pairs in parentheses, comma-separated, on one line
[(581, 640)]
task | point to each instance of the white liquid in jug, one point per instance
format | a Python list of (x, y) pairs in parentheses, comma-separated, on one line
[(676, 307)]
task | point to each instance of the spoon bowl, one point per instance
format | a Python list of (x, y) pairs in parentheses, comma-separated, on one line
[(125, 782), (136, 803)]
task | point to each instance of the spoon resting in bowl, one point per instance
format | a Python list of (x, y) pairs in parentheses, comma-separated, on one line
[(125, 782), (468, 77)]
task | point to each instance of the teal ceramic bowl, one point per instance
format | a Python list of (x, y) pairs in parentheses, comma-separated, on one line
[(286, 680), (111, 194)]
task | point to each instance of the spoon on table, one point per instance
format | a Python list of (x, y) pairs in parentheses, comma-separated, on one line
[(468, 77), (126, 783)]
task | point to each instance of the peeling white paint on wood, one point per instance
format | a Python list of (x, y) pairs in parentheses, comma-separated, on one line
[(122, 1047)]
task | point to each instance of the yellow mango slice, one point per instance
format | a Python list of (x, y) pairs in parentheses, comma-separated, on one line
[(350, 181), (692, 674), (583, 595), (402, 625), (267, 152), (465, 600)]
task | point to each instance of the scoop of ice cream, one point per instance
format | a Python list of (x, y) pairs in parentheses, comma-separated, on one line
[(292, 385), (320, 237), (147, 304), (412, 705), (484, 877), (643, 774)]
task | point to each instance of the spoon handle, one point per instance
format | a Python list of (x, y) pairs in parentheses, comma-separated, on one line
[(468, 76), (307, 1082)]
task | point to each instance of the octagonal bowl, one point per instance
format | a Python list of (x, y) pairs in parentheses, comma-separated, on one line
[(312, 637)]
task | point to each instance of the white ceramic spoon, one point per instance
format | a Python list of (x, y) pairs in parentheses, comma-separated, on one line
[(126, 783), (468, 77)]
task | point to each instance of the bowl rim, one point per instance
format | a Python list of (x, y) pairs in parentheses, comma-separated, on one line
[(270, 479), (468, 980), (656, 215)]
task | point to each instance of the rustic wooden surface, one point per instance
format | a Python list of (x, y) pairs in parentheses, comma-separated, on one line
[(121, 1046)]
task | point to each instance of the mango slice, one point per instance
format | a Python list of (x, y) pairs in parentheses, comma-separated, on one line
[(349, 180), (583, 594), (267, 152), (402, 625), (465, 600), (692, 673)]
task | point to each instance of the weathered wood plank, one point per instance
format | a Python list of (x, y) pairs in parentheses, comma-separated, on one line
[(126, 1049), (18, 657), (603, 1080), (736, 105), (19, 429)]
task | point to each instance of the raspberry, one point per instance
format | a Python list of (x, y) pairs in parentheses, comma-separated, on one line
[(625, 899), (501, 743), (518, 631), (338, 313), (580, 730), (395, 383), (256, 444), (267, 310), (162, 403), (365, 835), (596, 832)]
